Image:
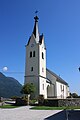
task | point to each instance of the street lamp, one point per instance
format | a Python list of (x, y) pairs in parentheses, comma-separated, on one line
[(79, 69)]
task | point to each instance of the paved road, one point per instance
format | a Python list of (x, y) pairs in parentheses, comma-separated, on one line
[(63, 115), (25, 113)]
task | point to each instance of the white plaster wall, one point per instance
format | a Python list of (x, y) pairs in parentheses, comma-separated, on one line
[(42, 65), (37, 63), (61, 93), (51, 91), (42, 90), (42, 62), (52, 88), (32, 76), (33, 61)]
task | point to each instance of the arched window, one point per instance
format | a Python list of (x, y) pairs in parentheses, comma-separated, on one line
[(42, 69), (30, 54), (31, 68), (42, 55), (33, 53), (43, 86)]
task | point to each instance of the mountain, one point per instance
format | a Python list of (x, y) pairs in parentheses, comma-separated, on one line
[(9, 86)]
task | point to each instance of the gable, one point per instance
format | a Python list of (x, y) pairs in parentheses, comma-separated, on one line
[(55, 77), (41, 41), (31, 40), (50, 77)]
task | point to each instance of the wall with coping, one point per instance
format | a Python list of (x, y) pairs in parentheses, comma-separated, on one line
[(69, 102), (62, 102)]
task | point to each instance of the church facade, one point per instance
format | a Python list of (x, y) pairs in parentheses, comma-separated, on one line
[(47, 83)]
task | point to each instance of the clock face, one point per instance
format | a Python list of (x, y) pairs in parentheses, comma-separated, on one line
[(32, 45)]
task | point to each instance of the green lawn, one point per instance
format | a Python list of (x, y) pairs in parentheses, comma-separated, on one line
[(53, 108), (42, 107), (8, 106)]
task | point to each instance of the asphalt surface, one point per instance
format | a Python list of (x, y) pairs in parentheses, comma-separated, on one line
[(25, 113), (65, 115)]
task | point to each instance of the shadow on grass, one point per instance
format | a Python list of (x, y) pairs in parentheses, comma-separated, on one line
[(73, 115)]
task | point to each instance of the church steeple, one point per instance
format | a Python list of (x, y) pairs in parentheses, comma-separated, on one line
[(35, 30), (35, 68)]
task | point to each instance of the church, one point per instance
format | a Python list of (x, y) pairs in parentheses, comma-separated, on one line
[(47, 83)]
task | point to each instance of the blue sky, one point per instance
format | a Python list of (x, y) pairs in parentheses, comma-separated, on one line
[(59, 21)]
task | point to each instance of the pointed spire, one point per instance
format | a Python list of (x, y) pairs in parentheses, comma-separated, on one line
[(35, 30), (36, 18)]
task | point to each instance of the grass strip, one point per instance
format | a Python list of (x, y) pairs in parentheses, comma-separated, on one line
[(8, 106), (54, 108)]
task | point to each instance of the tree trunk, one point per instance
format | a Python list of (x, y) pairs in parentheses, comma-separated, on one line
[(28, 99)]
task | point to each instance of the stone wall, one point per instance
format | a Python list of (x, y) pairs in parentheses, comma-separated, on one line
[(69, 102), (62, 102)]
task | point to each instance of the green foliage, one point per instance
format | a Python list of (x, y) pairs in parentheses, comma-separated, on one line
[(8, 106), (32, 102), (54, 108), (14, 97), (41, 99), (73, 95), (28, 88), (21, 101)]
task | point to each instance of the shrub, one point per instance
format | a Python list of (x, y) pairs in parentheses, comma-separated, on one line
[(41, 100), (33, 102), (21, 102), (14, 97), (51, 102)]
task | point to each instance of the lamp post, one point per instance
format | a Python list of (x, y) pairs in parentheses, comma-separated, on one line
[(79, 69)]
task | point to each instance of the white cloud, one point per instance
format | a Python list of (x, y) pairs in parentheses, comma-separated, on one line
[(5, 68)]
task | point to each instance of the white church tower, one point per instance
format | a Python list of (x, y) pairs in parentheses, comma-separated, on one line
[(35, 68)]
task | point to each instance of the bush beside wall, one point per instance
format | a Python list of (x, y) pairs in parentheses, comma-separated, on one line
[(51, 103)]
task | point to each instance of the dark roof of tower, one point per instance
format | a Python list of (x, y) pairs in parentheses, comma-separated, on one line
[(34, 30), (40, 38), (29, 40), (59, 79)]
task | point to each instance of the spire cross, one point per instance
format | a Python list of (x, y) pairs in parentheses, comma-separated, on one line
[(36, 17), (36, 12)]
